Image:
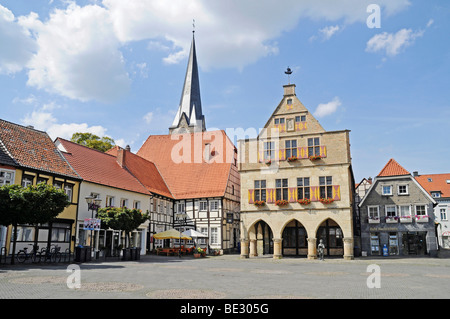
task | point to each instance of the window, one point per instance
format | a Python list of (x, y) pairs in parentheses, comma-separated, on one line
[(109, 201), (289, 101), (421, 210), (123, 202), (386, 190), (279, 121), (41, 180), (6, 177), (373, 212), (269, 150), (404, 211), (214, 205), (402, 190), (136, 204), (27, 180), (260, 190), (180, 208), (443, 213), (301, 118), (204, 231), (391, 211), (281, 189), (203, 205), (68, 189), (291, 148), (214, 236), (303, 190), (325, 186), (58, 184), (436, 194), (314, 146)]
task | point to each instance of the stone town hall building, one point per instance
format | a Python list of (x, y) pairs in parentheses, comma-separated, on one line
[(297, 186)]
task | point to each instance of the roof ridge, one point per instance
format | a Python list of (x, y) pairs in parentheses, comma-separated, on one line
[(393, 168)]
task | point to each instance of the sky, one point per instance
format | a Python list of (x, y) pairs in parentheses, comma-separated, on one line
[(379, 68)]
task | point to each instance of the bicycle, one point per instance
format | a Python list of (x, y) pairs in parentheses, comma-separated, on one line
[(54, 255), (23, 254)]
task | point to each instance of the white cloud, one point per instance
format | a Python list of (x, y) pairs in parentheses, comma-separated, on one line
[(148, 117), (327, 108), (16, 45), (329, 31), (392, 43), (45, 121), (78, 55)]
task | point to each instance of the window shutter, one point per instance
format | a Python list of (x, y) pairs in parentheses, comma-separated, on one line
[(251, 196), (292, 194), (302, 152), (336, 192), (270, 195), (314, 193), (323, 151)]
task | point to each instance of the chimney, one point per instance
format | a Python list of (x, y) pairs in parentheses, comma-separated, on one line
[(128, 148), (121, 157), (370, 180), (289, 89), (415, 173)]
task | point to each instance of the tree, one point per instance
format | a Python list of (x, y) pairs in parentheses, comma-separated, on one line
[(32, 205), (93, 141), (122, 218)]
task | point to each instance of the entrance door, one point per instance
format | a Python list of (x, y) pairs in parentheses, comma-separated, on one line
[(414, 243)]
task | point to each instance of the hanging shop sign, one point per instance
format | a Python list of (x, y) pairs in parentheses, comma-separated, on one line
[(91, 224)]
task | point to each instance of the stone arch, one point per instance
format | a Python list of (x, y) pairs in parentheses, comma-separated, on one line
[(294, 236), (332, 235), (259, 238)]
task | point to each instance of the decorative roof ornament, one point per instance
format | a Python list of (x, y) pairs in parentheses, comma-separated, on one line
[(288, 72)]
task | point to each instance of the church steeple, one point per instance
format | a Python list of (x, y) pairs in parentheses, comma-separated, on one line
[(189, 117)]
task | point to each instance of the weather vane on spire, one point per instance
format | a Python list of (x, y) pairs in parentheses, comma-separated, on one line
[(193, 25), (288, 72)]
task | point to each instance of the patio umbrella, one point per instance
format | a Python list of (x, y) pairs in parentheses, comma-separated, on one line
[(171, 234), (194, 233)]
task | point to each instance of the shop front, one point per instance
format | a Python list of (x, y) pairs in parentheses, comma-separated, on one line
[(397, 243)]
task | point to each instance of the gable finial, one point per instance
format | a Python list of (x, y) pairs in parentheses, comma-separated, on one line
[(288, 72)]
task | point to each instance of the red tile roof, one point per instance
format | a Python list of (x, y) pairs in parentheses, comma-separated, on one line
[(435, 183), (146, 172), (33, 149), (392, 168), (180, 161), (100, 168)]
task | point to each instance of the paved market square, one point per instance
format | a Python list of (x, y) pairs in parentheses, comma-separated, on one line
[(230, 277)]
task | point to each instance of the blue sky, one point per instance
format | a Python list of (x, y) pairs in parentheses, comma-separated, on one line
[(116, 68)]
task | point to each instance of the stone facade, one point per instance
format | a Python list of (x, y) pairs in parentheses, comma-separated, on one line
[(397, 214), (270, 172)]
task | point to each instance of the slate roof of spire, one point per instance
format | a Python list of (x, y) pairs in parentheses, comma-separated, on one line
[(190, 102)]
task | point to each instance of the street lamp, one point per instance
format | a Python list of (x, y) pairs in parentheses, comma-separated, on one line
[(93, 205), (180, 217)]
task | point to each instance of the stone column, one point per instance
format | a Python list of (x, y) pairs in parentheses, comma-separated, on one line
[(244, 248), (312, 248), (253, 251), (277, 248), (348, 248)]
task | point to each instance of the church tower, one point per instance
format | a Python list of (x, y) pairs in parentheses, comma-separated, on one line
[(189, 117)]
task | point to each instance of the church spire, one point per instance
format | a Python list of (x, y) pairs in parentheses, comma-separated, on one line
[(189, 117)]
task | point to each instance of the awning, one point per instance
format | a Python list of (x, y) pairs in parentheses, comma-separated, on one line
[(171, 234), (194, 233)]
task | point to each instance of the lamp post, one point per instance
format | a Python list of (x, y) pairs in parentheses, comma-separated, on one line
[(93, 205), (179, 217)]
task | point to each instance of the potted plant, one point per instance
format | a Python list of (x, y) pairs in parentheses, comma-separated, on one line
[(304, 201), (259, 203), (281, 202), (315, 157), (198, 252), (326, 200), (268, 162), (292, 159)]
